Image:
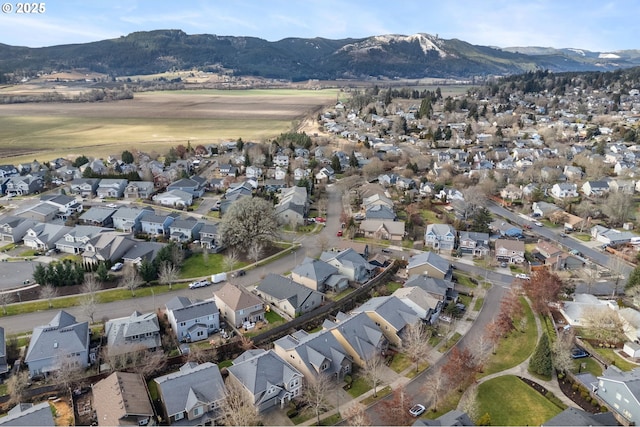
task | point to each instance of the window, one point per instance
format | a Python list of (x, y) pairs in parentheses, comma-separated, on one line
[(198, 411), (178, 416)]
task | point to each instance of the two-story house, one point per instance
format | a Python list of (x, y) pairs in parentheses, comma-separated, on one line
[(290, 297), (128, 219), (85, 187), (14, 228), (351, 264), (319, 275), (122, 399), (620, 392), (139, 190), (192, 320), (391, 314), (440, 237), (238, 306), (137, 332), (266, 379), (113, 188), (75, 240), (185, 230), (429, 263), (193, 395), (474, 243), (194, 185), (359, 335), (564, 190), (210, 237), (511, 251), (156, 225), (23, 185)]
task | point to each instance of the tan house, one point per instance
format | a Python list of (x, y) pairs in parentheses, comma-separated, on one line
[(383, 229), (391, 314), (122, 399), (511, 251), (238, 306)]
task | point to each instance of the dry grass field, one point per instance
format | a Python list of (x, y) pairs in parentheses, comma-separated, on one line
[(152, 121)]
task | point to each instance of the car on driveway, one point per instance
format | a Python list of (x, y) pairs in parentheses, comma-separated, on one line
[(117, 266), (417, 410)]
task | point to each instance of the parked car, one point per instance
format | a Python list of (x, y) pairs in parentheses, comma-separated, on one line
[(538, 224), (563, 235), (320, 219), (241, 273), (199, 284), (522, 276), (417, 410), (503, 265), (117, 266), (386, 251), (339, 233)]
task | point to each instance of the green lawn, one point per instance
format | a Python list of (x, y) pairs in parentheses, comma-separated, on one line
[(591, 366), (273, 317), (617, 360), (450, 342), (465, 281), (393, 286), (523, 406), (196, 266), (400, 362), (478, 304), (359, 386), (516, 347)]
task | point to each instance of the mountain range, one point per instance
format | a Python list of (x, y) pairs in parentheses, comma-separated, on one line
[(389, 56)]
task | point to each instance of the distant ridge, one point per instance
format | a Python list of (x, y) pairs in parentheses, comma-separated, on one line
[(388, 56)]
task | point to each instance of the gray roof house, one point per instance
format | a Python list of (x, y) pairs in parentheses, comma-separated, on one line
[(13, 228), (351, 264), (438, 288), (128, 219), (192, 320), (266, 378), (132, 333), (156, 225), (75, 240), (44, 236), (429, 263), (4, 366), (174, 198), (22, 185), (440, 236), (122, 399), (579, 417), (185, 230), (238, 306), (291, 297), (108, 246), (474, 243), (99, 216), (620, 391), (85, 187), (111, 187), (426, 306), (391, 314), (192, 395), (315, 274), (319, 353), (29, 414), (359, 336), (59, 340), (381, 212), (194, 186), (140, 251), (210, 237), (139, 190)]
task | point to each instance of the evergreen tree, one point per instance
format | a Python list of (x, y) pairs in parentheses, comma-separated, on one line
[(335, 164), (481, 220), (634, 278), (353, 161), (148, 271), (102, 273), (541, 362), (127, 157)]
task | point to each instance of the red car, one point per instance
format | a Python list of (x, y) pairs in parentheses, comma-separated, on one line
[(320, 219), (339, 233)]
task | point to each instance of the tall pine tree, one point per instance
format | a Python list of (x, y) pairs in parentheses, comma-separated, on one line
[(540, 362)]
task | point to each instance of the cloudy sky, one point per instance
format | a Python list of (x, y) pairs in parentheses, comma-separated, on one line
[(597, 25)]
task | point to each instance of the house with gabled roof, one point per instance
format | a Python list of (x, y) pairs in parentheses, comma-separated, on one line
[(194, 185), (351, 264), (314, 354), (440, 237), (128, 219), (192, 320), (108, 246), (620, 391), (441, 289), (111, 187), (238, 306), (382, 229), (391, 314), (359, 335), (595, 188), (290, 297), (8, 170), (42, 212), (75, 240), (44, 236), (210, 237), (98, 216), (431, 264), (185, 230), (63, 339), (511, 251), (315, 274), (578, 417), (474, 243), (86, 187), (29, 414), (174, 198), (266, 379), (425, 305), (156, 224), (380, 212), (132, 333), (14, 228), (122, 399), (139, 190), (192, 395)]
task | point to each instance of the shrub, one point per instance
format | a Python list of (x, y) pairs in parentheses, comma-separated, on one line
[(575, 387)]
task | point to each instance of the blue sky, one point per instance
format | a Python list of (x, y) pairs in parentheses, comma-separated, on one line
[(597, 25)]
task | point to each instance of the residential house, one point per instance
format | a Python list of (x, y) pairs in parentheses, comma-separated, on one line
[(620, 391), (290, 297), (266, 379), (113, 188), (281, 160), (511, 192), (381, 212), (375, 200), (185, 230), (564, 190), (359, 335), (156, 225), (574, 222), (133, 333), (292, 207), (426, 306), (626, 186), (474, 243), (192, 320), (85, 187), (139, 190), (504, 228), (253, 172), (381, 229), (4, 366), (319, 276), (66, 205), (577, 312), (141, 251), (440, 237), (122, 399), (42, 212), (23, 185), (29, 414), (314, 354), (544, 209), (14, 228), (238, 306), (96, 165), (63, 340), (351, 264), (7, 171), (174, 198), (210, 237), (75, 240), (452, 418), (431, 264), (511, 251), (574, 173), (391, 314), (98, 216), (611, 236), (577, 417), (42, 236), (326, 174), (128, 219), (195, 185), (441, 289), (107, 247), (595, 188), (193, 395)]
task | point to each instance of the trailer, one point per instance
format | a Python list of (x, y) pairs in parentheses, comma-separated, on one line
[(219, 277)]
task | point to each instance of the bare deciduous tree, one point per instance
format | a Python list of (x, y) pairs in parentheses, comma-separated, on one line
[(237, 408), (356, 416), (168, 274), (605, 325), (561, 351), (255, 251), (131, 279), (435, 388), (316, 394), (89, 305), (17, 384), (48, 292), (372, 372), (230, 260), (393, 412), (5, 298), (415, 343), (90, 285)]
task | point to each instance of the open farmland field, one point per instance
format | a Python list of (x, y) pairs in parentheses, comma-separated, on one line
[(151, 121)]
